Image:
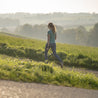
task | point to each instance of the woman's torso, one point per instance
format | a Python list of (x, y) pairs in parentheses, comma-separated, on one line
[(52, 36)]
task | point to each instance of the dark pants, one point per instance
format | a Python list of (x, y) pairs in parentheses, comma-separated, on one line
[(53, 48)]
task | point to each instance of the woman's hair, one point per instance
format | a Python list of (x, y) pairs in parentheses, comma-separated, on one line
[(52, 26)]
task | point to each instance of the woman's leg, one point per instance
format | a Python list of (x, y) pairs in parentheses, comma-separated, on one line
[(53, 47), (46, 51)]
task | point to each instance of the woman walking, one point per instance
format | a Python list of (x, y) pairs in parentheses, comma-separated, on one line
[(51, 37)]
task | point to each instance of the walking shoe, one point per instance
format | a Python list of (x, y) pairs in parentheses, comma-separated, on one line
[(46, 61)]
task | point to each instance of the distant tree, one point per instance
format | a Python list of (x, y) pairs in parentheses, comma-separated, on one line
[(77, 35), (81, 34), (93, 38), (24, 29), (5, 22), (68, 36), (4, 30)]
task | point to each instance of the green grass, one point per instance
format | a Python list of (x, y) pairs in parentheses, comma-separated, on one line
[(72, 55), (22, 59), (31, 71)]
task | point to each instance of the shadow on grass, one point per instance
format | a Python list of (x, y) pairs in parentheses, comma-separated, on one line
[(37, 55), (79, 61)]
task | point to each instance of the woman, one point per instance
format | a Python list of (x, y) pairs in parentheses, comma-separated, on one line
[(51, 42)]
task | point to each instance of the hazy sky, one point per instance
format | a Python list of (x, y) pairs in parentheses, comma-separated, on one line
[(47, 6)]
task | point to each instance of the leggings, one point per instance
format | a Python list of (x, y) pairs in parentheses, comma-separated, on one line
[(53, 48)]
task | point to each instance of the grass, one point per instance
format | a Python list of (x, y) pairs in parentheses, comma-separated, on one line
[(31, 71), (22, 59), (72, 55)]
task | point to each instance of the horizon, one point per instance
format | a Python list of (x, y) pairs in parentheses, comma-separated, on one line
[(48, 6), (52, 13)]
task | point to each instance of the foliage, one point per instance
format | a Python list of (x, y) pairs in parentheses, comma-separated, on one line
[(31, 71), (78, 35), (72, 55), (93, 37), (22, 59)]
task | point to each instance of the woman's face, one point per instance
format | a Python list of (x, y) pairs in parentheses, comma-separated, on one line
[(49, 27)]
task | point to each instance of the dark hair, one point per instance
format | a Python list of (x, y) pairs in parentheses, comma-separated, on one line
[(52, 26)]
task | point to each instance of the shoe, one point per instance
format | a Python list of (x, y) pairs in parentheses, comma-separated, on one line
[(46, 61)]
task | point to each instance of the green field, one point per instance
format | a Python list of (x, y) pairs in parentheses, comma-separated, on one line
[(22, 59)]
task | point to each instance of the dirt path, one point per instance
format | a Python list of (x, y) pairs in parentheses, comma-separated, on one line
[(10, 89), (82, 70)]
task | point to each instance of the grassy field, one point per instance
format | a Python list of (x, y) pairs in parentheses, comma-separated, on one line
[(22, 59)]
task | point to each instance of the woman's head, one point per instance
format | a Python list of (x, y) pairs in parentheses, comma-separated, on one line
[(52, 27)]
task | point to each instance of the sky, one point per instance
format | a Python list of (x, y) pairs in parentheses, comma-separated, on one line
[(48, 6)]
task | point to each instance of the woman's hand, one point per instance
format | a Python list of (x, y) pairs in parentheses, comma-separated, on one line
[(48, 41), (47, 48)]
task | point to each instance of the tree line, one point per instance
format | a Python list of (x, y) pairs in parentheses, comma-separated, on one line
[(78, 35), (63, 19)]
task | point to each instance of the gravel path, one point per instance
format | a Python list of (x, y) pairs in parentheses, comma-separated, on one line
[(11, 89), (82, 70)]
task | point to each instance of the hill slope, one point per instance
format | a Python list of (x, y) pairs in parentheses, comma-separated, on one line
[(73, 55), (22, 59)]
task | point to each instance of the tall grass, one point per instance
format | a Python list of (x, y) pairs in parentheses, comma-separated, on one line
[(72, 55), (22, 59), (31, 71)]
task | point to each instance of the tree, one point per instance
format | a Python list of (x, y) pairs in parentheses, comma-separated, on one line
[(81, 34), (25, 29), (93, 38)]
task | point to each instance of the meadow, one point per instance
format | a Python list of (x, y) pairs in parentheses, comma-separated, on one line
[(22, 59)]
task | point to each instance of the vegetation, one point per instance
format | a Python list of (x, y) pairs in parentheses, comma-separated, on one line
[(22, 59), (30, 71), (8, 22), (79, 56), (72, 28), (78, 35), (65, 19)]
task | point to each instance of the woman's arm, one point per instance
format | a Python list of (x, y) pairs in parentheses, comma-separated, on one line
[(48, 39), (55, 36)]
